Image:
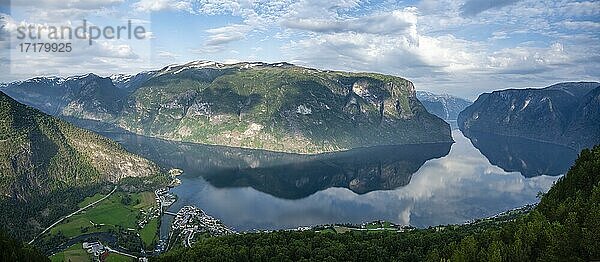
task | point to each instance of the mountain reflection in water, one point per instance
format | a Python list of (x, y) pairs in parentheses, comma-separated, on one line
[(530, 158), (290, 176), (421, 185)]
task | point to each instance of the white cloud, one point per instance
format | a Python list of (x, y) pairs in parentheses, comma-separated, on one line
[(411, 55), (474, 7), (160, 5), (526, 60), (66, 4), (166, 55), (462, 46), (101, 56), (581, 8), (226, 34), (581, 25), (401, 50), (52, 11), (397, 21)]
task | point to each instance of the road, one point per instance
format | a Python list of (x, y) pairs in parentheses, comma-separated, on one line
[(119, 252), (72, 214)]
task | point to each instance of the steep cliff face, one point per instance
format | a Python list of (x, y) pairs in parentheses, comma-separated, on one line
[(279, 107), (565, 113), (445, 106), (40, 154)]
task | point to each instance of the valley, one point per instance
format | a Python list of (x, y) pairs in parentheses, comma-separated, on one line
[(286, 130), (116, 201)]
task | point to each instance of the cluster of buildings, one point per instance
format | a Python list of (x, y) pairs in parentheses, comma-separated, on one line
[(147, 215), (99, 252), (174, 173), (164, 198), (191, 220)]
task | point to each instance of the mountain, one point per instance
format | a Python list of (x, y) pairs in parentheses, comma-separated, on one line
[(565, 113), (444, 106), (87, 96), (278, 107), (48, 165)]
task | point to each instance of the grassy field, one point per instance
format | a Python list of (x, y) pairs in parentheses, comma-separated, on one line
[(148, 233), (89, 200), (328, 230), (120, 210), (380, 225), (146, 200), (108, 213), (113, 257), (74, 253), (369, 227)]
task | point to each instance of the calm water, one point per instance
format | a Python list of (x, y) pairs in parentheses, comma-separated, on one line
[(421, 185)]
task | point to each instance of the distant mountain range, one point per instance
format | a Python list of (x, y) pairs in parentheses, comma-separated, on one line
[(47, 165), (445, 106), (566, 114), (279, 107)]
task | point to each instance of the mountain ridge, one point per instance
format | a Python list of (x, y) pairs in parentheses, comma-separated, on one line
[(276, 107)]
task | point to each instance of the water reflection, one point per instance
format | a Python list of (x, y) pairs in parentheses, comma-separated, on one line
[(530, 158), (291, 176), (249, 190)]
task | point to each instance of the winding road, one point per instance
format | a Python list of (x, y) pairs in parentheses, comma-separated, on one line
[(70, 215)]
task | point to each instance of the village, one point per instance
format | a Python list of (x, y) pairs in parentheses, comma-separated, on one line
[(191, 220)]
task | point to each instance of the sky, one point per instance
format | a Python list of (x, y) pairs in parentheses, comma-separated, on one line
[(460, 47)]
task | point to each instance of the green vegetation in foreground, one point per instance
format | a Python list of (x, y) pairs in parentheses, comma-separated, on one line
[(110, 213), (14, 250), (565, 226), (48, 166), (375, 226), (149, 233), (118, 214)]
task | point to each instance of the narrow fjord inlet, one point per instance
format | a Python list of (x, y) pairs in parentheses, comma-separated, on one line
[(276, 130)]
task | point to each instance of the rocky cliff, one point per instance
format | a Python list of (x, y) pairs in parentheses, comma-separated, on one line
[(565, 113)]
